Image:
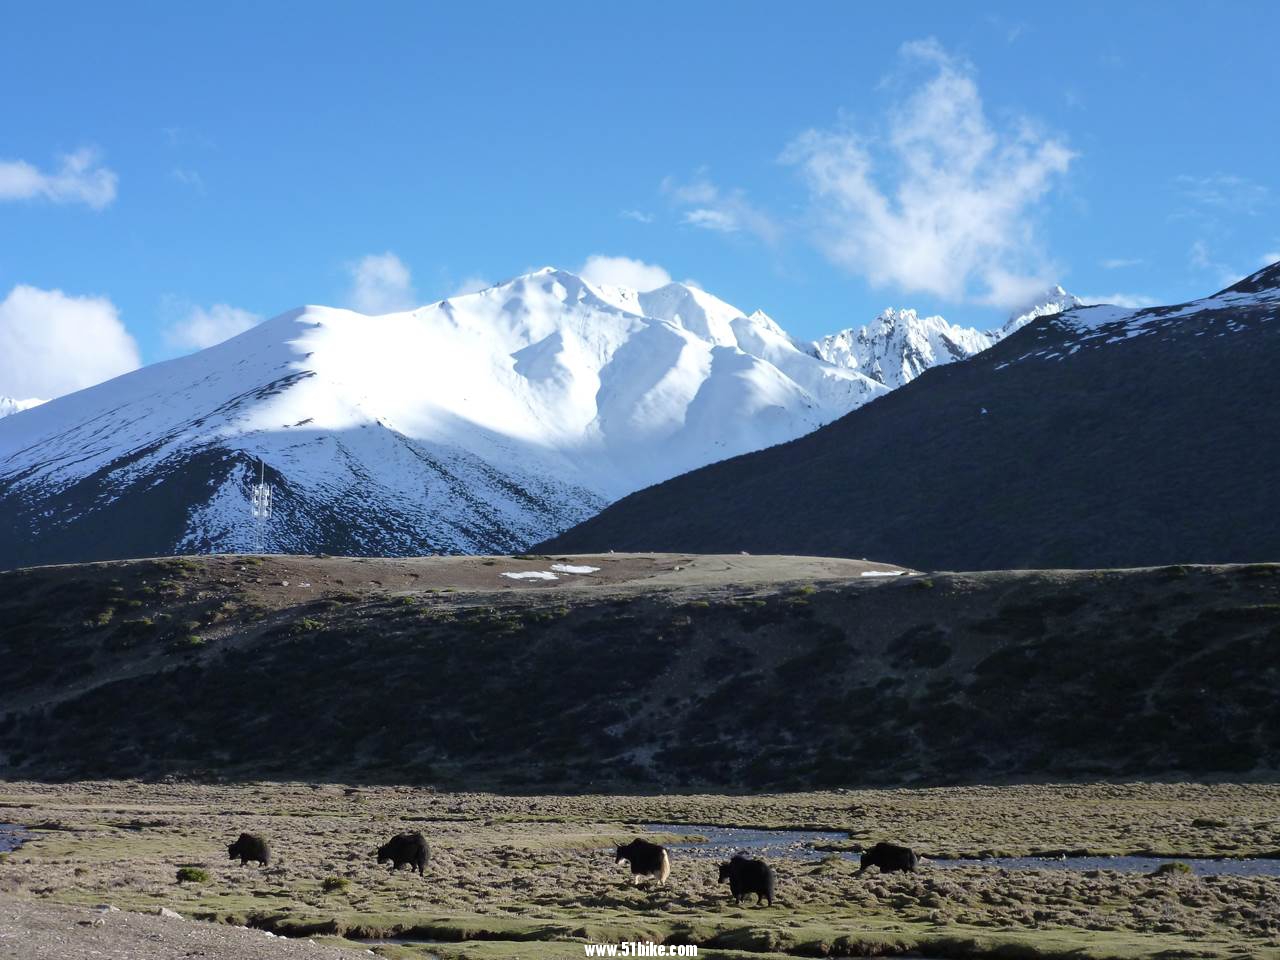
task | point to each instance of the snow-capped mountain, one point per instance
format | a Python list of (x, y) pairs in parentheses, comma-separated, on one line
[(483, 422), (8, 405), (899, 345)]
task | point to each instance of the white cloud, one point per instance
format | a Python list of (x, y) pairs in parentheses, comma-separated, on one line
[(639, 216), (381, 283), (941, 201), (1269, 258), (1130, 301), (198, 327), (724, 211), (1119, 263), (624, 272), (80, 178), (472, 284), (711, 219), (52, 343)]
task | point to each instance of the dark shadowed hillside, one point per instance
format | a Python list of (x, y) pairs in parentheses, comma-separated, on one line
[(398, 671), (1098, 438)]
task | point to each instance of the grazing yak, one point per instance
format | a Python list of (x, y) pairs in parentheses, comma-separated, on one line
[(249, 847), (748, 876), (410, 848), (646, 859), (889, 857)]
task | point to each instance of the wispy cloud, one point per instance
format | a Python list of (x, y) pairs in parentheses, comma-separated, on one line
[(53, 343), (710, 207), (193, 327), (1225, 193), (624, 272), (1119, 263), (471, 284), (1130, 301), (942, 200), (1011, 30), (639, 216), (1269, 258), (79, 178), (189, 178), (381, 283), (179, 136), (1202, 258)]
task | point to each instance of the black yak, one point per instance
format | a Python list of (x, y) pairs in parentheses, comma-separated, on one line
[(748, 876), (646, 859), (249, 847), (410, 848), (889, 857)]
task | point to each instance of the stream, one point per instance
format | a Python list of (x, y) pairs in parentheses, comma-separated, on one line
[(12, 836), (723, 842)]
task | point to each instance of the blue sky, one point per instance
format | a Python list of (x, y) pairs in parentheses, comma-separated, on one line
[(189, 170)]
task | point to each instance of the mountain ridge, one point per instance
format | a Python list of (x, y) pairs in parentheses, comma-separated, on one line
[(899, 344), (479, 423), (1097, 437)]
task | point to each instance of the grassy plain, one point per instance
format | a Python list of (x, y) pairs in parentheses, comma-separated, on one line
[(533, 876)]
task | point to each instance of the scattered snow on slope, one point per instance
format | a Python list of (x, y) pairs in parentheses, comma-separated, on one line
[(1256, 299)]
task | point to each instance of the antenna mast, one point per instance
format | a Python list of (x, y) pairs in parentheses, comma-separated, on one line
[(260, 504)]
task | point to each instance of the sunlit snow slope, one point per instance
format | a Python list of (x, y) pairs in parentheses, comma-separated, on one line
[(481, 423)]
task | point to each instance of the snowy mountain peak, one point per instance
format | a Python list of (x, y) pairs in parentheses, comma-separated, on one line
[(899, 345), (1052, 301)]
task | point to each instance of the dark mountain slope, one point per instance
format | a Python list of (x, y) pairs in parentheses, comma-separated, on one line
[(1100, 437), (349, 670)]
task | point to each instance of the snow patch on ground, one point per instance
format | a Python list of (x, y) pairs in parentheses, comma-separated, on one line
[(531, 575), (573, 568)]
